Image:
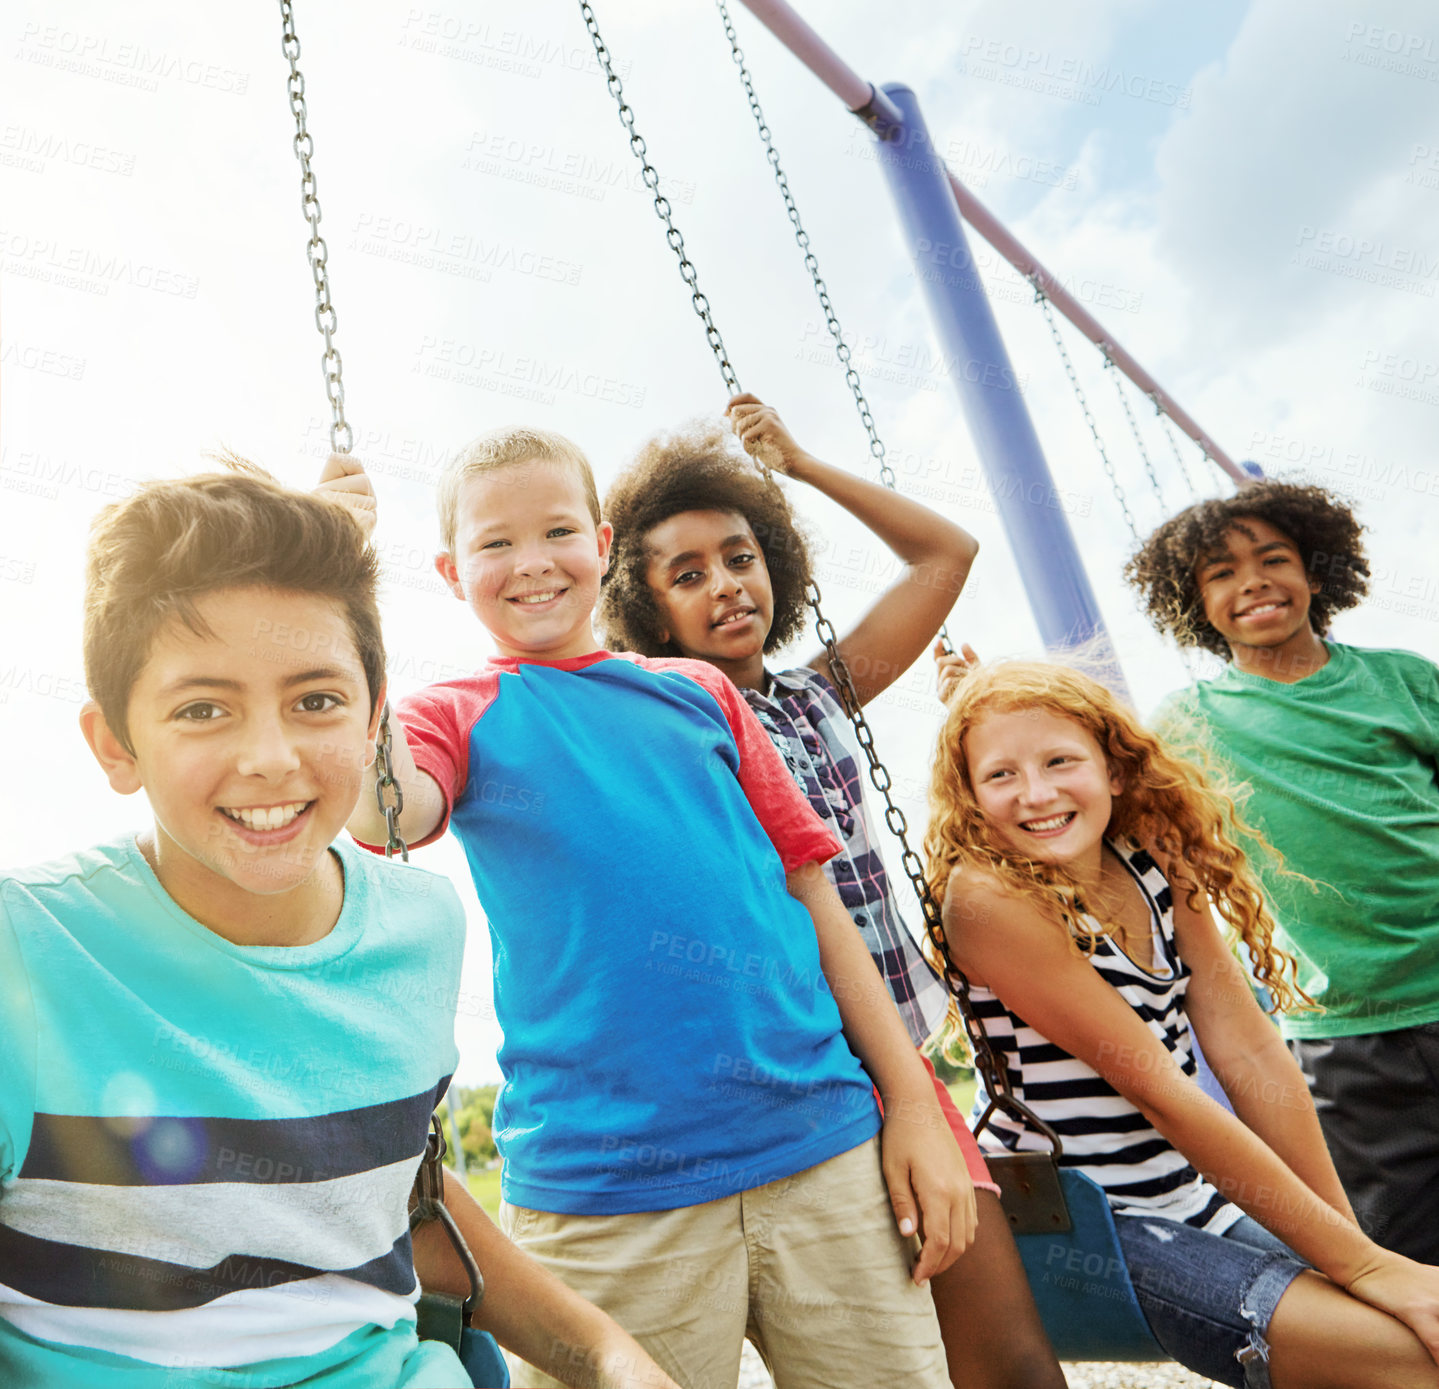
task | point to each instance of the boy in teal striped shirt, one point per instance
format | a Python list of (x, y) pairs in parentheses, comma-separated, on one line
[(221, 1039)]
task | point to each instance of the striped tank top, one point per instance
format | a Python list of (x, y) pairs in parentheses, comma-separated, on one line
[(1104, 1135)]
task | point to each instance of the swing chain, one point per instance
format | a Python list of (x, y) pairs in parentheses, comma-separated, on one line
[(992, 1072), (388, 794), (995, 1079), (994, 1075), (1174, 448), (341, 436), (1042, 299), (1134, 430), (688, 273), (811, 263)]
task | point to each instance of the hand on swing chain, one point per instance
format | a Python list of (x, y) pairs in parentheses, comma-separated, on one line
[(759, 428), (951, 667), (345, 481), (930, 1189)]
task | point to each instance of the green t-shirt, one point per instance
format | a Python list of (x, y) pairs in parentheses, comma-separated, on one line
[(1341, 768)]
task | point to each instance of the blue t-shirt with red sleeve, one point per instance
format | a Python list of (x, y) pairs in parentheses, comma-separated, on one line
[(669, 1037)]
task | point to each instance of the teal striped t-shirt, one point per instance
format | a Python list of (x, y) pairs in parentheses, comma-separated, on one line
[(206, 1149)]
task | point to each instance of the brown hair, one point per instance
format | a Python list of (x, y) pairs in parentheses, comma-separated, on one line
[(1164, 570), (1166, 805), (698, 468), (153, 555), (504, 448)]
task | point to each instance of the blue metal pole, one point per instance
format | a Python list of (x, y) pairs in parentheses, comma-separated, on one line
[(1030, 505)]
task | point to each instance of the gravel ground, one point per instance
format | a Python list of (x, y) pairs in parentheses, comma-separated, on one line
[(1090, 1375)]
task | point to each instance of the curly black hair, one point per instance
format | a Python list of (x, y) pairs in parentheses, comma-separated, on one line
[(1320, 523), (697, 468)]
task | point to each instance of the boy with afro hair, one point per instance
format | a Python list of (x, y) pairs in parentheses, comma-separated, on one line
[(1339, 747)]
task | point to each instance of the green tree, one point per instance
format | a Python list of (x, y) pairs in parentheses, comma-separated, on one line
[(475, 1108)]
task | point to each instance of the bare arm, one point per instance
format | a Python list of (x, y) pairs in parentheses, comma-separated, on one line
[(936, 554), (527, 1309), (929, 1185), (1249, 1058), (1028, 961)]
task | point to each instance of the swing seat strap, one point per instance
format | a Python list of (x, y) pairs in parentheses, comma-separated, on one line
[(1031, 1193), (441, 1316)]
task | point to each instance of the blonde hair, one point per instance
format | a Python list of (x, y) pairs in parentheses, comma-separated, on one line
[(504, 448), (1165, 804)]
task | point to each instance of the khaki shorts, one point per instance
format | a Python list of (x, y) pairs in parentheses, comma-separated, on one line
[(811, 1268)]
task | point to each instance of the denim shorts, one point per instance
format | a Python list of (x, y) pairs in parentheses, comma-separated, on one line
[(1209, 1298)]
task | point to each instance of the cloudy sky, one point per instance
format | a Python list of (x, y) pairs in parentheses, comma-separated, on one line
[(1245, 194)]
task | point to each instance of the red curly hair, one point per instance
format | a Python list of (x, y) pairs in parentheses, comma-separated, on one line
[(1165, 805)]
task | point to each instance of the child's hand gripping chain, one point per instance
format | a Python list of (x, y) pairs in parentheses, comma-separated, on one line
[(345, 481), (950, 667), (764, 436)]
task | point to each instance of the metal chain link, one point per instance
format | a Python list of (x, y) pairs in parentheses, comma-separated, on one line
[(341, 437), (1134, 430), (994, 1075), (663, 209), (1042, 299), (811, 263), (1186, 653), (388, 794), (841, 347), (1174, 447)]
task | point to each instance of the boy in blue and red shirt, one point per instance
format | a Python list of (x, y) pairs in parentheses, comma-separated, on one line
[(688, 1138)]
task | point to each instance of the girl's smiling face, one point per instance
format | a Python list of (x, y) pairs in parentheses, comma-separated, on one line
[(1043, 785), (708, 577)]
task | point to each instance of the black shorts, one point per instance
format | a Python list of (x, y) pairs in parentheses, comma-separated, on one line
[(1377, 1096)]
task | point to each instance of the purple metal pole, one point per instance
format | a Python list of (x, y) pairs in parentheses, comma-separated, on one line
[(860, 97), (1029, 503)]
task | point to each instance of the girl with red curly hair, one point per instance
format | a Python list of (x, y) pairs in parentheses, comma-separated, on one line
[(1079, 861)]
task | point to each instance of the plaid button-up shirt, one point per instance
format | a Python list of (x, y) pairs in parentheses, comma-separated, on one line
[(804, 717)]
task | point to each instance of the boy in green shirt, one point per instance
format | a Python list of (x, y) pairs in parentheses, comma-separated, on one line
[(1339, 747)]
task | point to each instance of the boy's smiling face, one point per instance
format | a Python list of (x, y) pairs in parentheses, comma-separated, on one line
[(528, 559), (251, 744), (1255, 591)]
